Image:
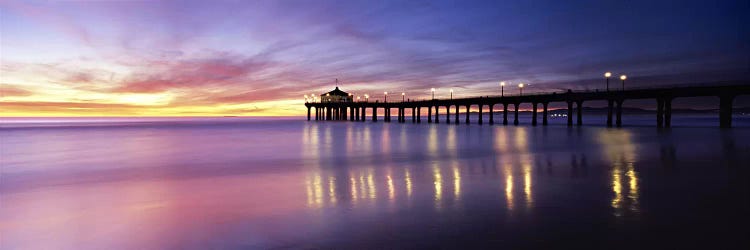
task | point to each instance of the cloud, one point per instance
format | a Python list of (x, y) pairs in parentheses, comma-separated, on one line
[(214, 54), (7, 90), (186, 74)]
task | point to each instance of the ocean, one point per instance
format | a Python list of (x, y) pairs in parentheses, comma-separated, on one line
[(288, 183)]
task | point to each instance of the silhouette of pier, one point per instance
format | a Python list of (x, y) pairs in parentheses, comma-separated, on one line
[(355, 110)]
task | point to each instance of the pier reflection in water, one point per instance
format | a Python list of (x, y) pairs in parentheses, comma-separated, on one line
[(584, 175), (284, 184), (444, 166)]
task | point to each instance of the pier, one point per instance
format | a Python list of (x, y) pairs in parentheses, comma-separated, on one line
[(348, 109)]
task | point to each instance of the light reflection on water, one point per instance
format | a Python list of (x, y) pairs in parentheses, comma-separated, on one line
[(306, 184), (619, 150)]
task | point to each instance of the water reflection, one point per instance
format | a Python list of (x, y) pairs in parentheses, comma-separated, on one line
[(391, 189), (456, 181), (365, 185), (527, 183), (438, 177), (314, 191), (520, 158), (407, 181), (289, 185), (371, 185), (332, 189), (508, 170), (450, 143), (514, 166), (353, 189), (432, 141), (619, 151)]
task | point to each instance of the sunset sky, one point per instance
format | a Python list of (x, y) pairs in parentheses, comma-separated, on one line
[(258, 58)]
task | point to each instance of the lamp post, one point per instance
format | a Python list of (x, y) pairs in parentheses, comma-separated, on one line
[(403, 95), (433, 93), (623, 77), (367, 98), (520, 88), (451, 94), (607, 75), (502, 89), (385, 96)]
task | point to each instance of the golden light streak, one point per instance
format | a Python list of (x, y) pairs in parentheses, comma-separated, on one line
[(391, 190), (633, 193), (362, 188), (509, 187), (310, 198), (318, 188), (456, 182), (332, 189), (438, 185), (509, 191), (353, 188), (371, 185), (407, 177), (616, 188), (527, 183)]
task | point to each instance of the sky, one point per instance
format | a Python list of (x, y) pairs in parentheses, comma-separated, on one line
[(259, 58)]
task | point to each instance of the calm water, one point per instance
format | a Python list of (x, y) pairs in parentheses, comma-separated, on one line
[(286, 183)]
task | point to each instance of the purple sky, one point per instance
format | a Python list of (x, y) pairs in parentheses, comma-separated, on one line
[(261, 57)]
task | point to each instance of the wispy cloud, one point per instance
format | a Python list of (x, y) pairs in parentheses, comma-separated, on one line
[(233, 55)]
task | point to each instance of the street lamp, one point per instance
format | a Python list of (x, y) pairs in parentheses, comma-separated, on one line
[(502, 89), (520, 88), (623, 77), (433, 93), (305, 98), (403, 95), (607, 75), (367, 98), (385, 96), (451, 94), (357, 98)]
